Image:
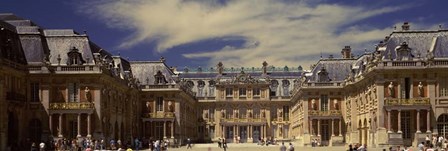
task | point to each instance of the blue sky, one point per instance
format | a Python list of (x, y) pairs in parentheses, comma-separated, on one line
[(239, 33)]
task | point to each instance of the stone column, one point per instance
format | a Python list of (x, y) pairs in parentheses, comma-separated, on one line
[(223, 131), (418, 121), (399, 121), (60, 126), (250, 132), (89, 116), (428, 121), (340, 127), (389, 130), (79, 126), (50, 123), (164, 129), (318, 127), (172, 129), (311, 127), (332, 127), (264, 131), (234, 132)]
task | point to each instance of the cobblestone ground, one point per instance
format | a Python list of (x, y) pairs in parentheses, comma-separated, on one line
[(254, 147)]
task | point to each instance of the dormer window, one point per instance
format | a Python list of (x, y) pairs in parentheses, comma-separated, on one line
[(404, 52), (323, 75), (159, 78), (74, 57)]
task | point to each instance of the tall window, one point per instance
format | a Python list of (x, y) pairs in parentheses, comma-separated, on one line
[(159, 104), (256, 91), (324, 103), (201, 85), (229, 113), (35, 92), (242, 91), (211, 114), (211, 87), (274, 86), (443, 86), (73, 92), (285, 84), (285, 113), (229, 92)]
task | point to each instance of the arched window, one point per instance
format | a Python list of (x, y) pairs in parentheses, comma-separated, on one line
[(201, 85), (190, 84), (442, 124), (274, 85), (285, 84), (211, 87)]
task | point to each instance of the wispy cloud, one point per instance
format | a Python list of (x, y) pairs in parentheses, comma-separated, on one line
[(282, 33)]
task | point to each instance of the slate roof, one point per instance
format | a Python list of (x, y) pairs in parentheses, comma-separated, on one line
[(338, 69), (435, 41), (207, 75), (143, 70)]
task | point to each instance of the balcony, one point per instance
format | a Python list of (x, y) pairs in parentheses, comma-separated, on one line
[(71, 106), (159, 115), (407, 102), (330, 113), (14, 96)]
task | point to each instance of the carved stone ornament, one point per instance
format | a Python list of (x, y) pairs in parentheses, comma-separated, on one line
[(391, 89), (420, 89)]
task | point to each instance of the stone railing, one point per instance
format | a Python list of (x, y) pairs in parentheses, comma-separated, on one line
[(414, 101), (325, 113), (71, 105), (322, 84), (243, 120), (14, 96), (159, 115), (441, 63), (416, 63)]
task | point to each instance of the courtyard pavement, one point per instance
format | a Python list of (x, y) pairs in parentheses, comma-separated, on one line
[(255, 147)]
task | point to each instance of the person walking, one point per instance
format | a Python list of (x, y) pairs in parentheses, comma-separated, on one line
[(291, 147), (188, 143), (219, 142), (224, 144), (283, 147)]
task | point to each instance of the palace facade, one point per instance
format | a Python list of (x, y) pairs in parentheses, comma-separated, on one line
[(57, 83)]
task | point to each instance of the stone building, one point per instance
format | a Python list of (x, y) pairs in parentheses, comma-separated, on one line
[(13, 79), (243, 105), (59, 84), (395, 95)]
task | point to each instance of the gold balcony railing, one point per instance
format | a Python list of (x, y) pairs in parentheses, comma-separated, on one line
[(414, 101), (159, 115), (71, 105), (242, 120), (325, 113)]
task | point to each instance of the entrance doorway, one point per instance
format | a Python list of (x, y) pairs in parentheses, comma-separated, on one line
[(325, 132), (243, 134), (158, 133), (442, 124), (256, 133), (13, 129), (35, 130), (229, 133)]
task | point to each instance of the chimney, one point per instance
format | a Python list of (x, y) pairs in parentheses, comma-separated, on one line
[(405, 26), (346, 52)]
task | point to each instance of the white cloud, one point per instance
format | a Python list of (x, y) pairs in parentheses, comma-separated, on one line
[(278, 32)]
